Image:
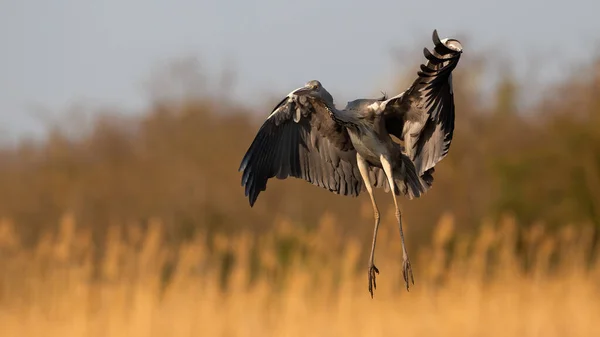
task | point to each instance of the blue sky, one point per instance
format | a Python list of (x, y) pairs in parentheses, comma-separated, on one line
[(59, 53)]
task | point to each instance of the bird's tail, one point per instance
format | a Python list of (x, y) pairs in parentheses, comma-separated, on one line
[(409, 182)]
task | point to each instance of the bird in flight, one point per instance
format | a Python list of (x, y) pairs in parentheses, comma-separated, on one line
[(351, 150)]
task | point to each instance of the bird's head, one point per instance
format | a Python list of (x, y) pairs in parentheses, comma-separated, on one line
[(314, 89)]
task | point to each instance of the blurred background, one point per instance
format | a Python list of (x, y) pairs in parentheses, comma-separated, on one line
[(123, 124)]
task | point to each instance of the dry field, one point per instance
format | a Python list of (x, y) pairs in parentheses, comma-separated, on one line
[(294, 283)]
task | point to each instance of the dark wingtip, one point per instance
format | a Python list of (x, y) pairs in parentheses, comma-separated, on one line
[(435, 37), (436, 57), (451, 45), (428, 55)]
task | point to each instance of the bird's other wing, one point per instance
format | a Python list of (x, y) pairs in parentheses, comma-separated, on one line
[(423, 115), (300, 139)]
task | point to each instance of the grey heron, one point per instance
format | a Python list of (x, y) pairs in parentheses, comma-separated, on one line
[(350, 150)]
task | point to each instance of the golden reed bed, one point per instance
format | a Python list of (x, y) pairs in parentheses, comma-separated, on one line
[(464, 286)]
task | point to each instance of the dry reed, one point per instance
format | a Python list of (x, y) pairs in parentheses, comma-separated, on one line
[(506, 281)]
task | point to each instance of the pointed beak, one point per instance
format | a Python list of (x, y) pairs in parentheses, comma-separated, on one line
[(303, 91)]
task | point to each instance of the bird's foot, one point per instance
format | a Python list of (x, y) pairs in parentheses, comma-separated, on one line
[(407, 272), (372, 284)]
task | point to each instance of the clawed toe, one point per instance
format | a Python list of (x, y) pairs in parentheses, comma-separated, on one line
[(407, 272), (372, 283)]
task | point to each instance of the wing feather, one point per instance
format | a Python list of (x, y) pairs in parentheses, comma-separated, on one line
[(300, 139), (423, 115)]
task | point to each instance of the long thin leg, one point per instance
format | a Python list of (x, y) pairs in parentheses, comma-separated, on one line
[(406, 268), (364, 172)]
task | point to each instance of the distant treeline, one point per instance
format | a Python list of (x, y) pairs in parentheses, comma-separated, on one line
[(179, 162)]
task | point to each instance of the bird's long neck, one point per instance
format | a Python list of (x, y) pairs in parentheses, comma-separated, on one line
[(341, 117)]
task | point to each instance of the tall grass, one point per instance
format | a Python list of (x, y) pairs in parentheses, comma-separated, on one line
[(505, 281)]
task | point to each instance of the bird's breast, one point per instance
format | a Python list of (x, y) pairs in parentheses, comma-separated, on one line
[(367, 145)]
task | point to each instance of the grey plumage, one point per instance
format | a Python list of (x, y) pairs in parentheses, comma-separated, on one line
[(350, 150), (313, 148)]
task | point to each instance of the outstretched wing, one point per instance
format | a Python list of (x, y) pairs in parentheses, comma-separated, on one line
[(423, 115), (300, 139)]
